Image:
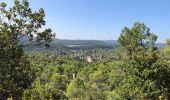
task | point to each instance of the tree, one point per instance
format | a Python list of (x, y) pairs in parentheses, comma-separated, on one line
[(144, 71), (47, 86), (19, 27), (138, 36), (167, 48), (91, 84), (21, 22), (16, 73)]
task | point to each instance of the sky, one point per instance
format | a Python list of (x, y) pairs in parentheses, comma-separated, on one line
[(103, 19)]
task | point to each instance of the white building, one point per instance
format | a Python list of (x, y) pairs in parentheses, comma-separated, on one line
[(89, 59)]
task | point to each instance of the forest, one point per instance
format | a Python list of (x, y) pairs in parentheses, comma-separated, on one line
[(32, 67)]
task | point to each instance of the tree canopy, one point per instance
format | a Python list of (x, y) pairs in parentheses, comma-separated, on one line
[(19, 27), (167, 48), (145, 72), (21, 23), (137, 36), (136, 70)]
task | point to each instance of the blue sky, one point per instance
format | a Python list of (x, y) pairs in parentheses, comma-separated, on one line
[(103, 19)]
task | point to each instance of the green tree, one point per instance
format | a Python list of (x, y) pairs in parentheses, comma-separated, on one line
[(51, 85), (137, 36), (19, 26), (91, 84), (167, 48), (145, 73)]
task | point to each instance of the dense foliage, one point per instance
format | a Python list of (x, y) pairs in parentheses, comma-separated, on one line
[(167, 49), (125, 73), (71, 79), (18, 27), (145, 71), (136, 70)]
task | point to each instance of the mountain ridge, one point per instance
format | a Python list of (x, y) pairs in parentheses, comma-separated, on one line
[(82, 44)]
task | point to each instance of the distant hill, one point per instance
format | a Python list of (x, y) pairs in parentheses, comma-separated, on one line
[(81, 44), (77, 44), (161, 45), (85, 43), (64, 42)]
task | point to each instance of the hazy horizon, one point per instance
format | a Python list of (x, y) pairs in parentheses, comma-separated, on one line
[(103, 19), (97, 40)]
